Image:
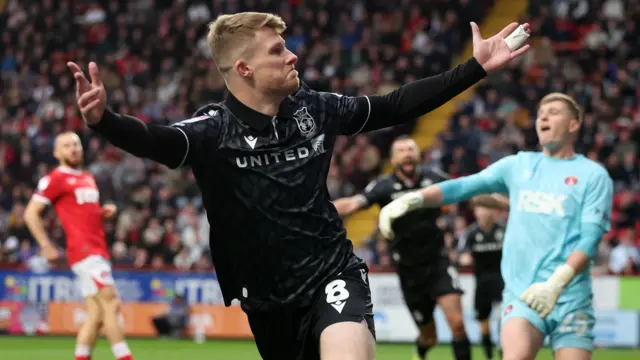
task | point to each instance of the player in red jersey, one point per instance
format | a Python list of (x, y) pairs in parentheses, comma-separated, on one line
[(74, 195)]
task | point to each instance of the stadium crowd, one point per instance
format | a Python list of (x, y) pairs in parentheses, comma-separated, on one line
[(156, 66)]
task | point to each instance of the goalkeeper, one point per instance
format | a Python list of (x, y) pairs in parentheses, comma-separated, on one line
[(560, 207)]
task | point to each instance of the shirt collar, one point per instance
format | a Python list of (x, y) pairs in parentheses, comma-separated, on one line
[(258, 120), (68, 170)]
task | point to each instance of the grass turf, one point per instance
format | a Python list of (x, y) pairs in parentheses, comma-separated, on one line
[(61, 348)]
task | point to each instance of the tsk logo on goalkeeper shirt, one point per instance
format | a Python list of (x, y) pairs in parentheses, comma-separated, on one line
[(539, 202)]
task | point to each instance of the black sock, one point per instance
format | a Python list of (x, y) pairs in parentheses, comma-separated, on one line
[(422, 349), (461, 349), (487, 345)]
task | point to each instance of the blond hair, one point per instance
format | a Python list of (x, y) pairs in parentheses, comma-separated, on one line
[(572, 105), (229, 35)]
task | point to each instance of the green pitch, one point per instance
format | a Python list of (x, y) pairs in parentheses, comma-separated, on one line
[(58, 348)]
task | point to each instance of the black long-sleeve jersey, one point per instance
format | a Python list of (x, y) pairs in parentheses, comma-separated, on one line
[(275, 236), (418, 239), (485, 247)]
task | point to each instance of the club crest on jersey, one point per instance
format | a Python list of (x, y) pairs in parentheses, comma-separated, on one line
[(571, 180), (305, 122), (508, 310)]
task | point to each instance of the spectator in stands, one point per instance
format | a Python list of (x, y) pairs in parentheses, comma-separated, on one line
[(625, 258)]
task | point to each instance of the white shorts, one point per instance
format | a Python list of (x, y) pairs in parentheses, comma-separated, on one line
[(94, 273)]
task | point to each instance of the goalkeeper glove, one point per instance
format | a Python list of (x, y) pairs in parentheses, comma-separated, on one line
[(542, 296), (396, 209)]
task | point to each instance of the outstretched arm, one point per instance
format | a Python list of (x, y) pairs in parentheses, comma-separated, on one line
[(349, 205), (490, 180), (461, 189), (368, 113), (373, 193), (164, 144)]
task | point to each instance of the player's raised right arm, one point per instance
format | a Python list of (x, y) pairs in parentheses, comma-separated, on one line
[(490, 180), (164, 144), (493, 179)]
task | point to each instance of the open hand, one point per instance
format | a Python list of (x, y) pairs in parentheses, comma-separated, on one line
[(91, 96), (493, 53)]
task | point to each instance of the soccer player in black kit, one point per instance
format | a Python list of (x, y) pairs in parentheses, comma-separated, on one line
[(261, 159), (418, 253), (481, 248)]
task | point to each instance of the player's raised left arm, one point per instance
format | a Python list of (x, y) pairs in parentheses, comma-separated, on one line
[(493, 179), (368, 113), (172, 146)]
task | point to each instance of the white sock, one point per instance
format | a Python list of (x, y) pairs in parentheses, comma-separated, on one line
[(83, 350), (120, 350)]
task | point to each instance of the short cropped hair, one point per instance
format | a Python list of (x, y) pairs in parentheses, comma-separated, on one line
[(402, 138), (572, 105), (229, 34)]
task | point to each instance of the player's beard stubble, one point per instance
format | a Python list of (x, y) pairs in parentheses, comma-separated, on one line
[(73, 161), (408, 168)]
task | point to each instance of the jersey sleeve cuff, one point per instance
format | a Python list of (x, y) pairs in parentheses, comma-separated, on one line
[(41, 199), (186, 153), (366, 120)]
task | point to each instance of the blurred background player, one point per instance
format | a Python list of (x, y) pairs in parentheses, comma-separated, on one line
[(481, 248), (174, 322), (75, 197), (561, 205), (418, 252)]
